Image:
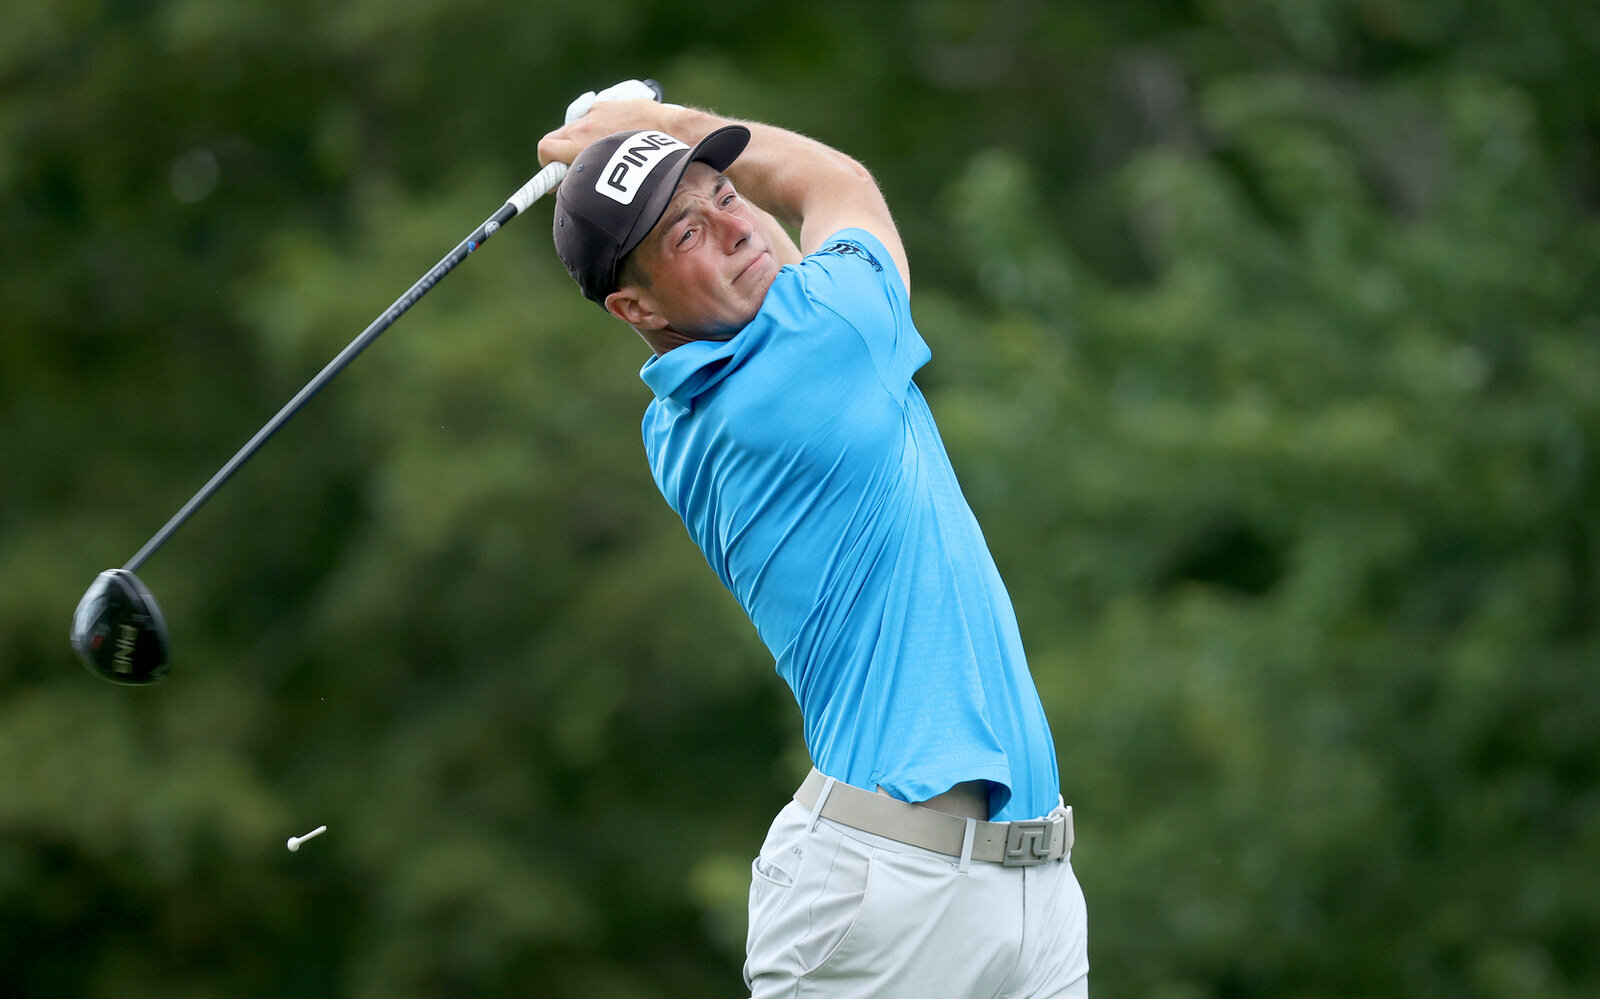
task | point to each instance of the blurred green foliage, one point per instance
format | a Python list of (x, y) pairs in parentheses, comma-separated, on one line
[(1266, 341)]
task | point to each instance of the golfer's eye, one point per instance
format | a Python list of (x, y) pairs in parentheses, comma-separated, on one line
[(728, 199), (685, 237)]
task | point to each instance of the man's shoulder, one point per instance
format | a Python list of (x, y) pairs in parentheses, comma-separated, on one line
[(848, 272), (851, 247), (854, 243)]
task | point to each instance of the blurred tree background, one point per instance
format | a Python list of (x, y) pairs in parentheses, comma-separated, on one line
[(1266, 342)]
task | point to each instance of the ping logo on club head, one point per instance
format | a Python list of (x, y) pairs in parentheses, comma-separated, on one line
[(122, 661), (633, 161)]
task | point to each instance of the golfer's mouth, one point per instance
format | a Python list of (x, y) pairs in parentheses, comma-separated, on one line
[(753, 261)]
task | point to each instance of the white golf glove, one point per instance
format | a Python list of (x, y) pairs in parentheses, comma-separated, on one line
[(625, 91)]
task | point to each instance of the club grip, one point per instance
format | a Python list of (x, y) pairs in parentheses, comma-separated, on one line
[(546, 180), (542, 184)]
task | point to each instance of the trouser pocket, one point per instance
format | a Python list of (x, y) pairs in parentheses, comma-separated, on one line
[(769, 885), (805, 892)]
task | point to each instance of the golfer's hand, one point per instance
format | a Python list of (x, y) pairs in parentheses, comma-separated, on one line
[(580, 109), (627, 90), (605, 117)]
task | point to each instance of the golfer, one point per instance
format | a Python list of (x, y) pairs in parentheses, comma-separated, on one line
[(928, 852)]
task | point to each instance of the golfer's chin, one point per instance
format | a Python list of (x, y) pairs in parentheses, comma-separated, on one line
[(755, 285)]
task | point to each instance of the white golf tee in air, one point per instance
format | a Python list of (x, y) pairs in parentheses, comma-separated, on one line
[(295, 841)]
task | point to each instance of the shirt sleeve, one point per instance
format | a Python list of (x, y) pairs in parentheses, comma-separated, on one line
[(853, 276)]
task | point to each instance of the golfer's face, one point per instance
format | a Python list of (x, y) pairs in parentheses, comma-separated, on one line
[(709, 261)]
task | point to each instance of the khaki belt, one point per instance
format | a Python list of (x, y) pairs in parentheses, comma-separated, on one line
[(1013, 844)]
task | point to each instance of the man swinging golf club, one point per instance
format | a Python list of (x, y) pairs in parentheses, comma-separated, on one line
[(928, 853)]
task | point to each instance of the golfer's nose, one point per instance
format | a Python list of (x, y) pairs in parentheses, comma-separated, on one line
[(735, 231)]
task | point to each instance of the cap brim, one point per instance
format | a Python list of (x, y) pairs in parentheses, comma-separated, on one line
[(717, 150)]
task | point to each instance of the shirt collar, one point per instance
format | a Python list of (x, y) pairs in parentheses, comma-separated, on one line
[(683, 372)]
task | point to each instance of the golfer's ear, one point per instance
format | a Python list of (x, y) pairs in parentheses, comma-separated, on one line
[(629, 306)]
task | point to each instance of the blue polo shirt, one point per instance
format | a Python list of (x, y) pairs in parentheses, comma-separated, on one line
[(805, 464)]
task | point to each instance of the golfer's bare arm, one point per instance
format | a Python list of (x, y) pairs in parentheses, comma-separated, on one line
[(803, 183)]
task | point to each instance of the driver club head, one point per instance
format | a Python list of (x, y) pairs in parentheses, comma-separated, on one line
[(118, 630)]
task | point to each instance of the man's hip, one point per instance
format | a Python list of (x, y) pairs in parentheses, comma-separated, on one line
[(845, 912)]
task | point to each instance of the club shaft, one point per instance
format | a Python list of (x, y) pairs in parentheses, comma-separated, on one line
[(541, 184)]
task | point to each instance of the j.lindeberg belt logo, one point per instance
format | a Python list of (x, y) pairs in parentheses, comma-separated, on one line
[(633, 161)]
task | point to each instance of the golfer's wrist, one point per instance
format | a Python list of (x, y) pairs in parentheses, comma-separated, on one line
[(689, 124)]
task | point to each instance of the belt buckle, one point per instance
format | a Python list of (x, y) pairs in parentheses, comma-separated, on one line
[(1029, 842)]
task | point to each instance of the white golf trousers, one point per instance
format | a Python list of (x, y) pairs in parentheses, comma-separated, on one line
[(840, 913)]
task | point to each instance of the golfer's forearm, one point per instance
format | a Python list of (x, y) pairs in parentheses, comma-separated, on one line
[(785, 172), (796, 178)]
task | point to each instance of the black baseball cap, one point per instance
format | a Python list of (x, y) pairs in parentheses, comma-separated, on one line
[(616, 192)]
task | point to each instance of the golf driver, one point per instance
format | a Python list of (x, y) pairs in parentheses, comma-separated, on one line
[(118, 630)]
